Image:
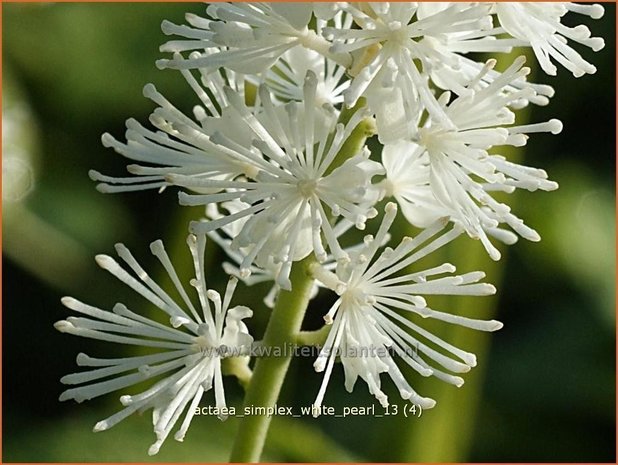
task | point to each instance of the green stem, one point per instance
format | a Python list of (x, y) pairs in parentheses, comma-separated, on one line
[(239, 367), (269, 373), (355, 142), (313, 338)]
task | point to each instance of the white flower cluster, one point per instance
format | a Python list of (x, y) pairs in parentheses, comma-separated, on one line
[(276, 152), (193, 343)]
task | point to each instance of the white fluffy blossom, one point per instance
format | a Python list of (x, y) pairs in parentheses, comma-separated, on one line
[(368, 322), (279, 159), (538, 24), (407, 180), (270, 270), (456, 166), (296, 183), (393, 53), (251, 36), (189, 349), (286, 78), (172, 148)]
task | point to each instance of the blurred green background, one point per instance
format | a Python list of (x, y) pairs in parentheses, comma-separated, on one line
[(543, 391)]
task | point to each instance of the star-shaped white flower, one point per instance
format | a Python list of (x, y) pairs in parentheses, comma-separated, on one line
[(392, 59), (286, 78), (181, 144), (251, 36), (538, 25), (224, 237), (460, 171), (368, 322), (189, 349), (296, 183)]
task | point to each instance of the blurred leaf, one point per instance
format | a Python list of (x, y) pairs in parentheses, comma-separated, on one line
[(208, 440), (85, 46), (580, 232), (299, 441)]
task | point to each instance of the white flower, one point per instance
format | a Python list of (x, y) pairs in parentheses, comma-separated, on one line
[(367, 324), (286, 78), (407, 180), (279, 159), (295, 177), (458, 81), (452, 48), (392, 59), (190, 348), (173, 148), (462, 173), (538, 25), (224, 236), (252, 36), (270, 270)]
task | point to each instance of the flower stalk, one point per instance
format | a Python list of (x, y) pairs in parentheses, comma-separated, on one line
[(269, 372)]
